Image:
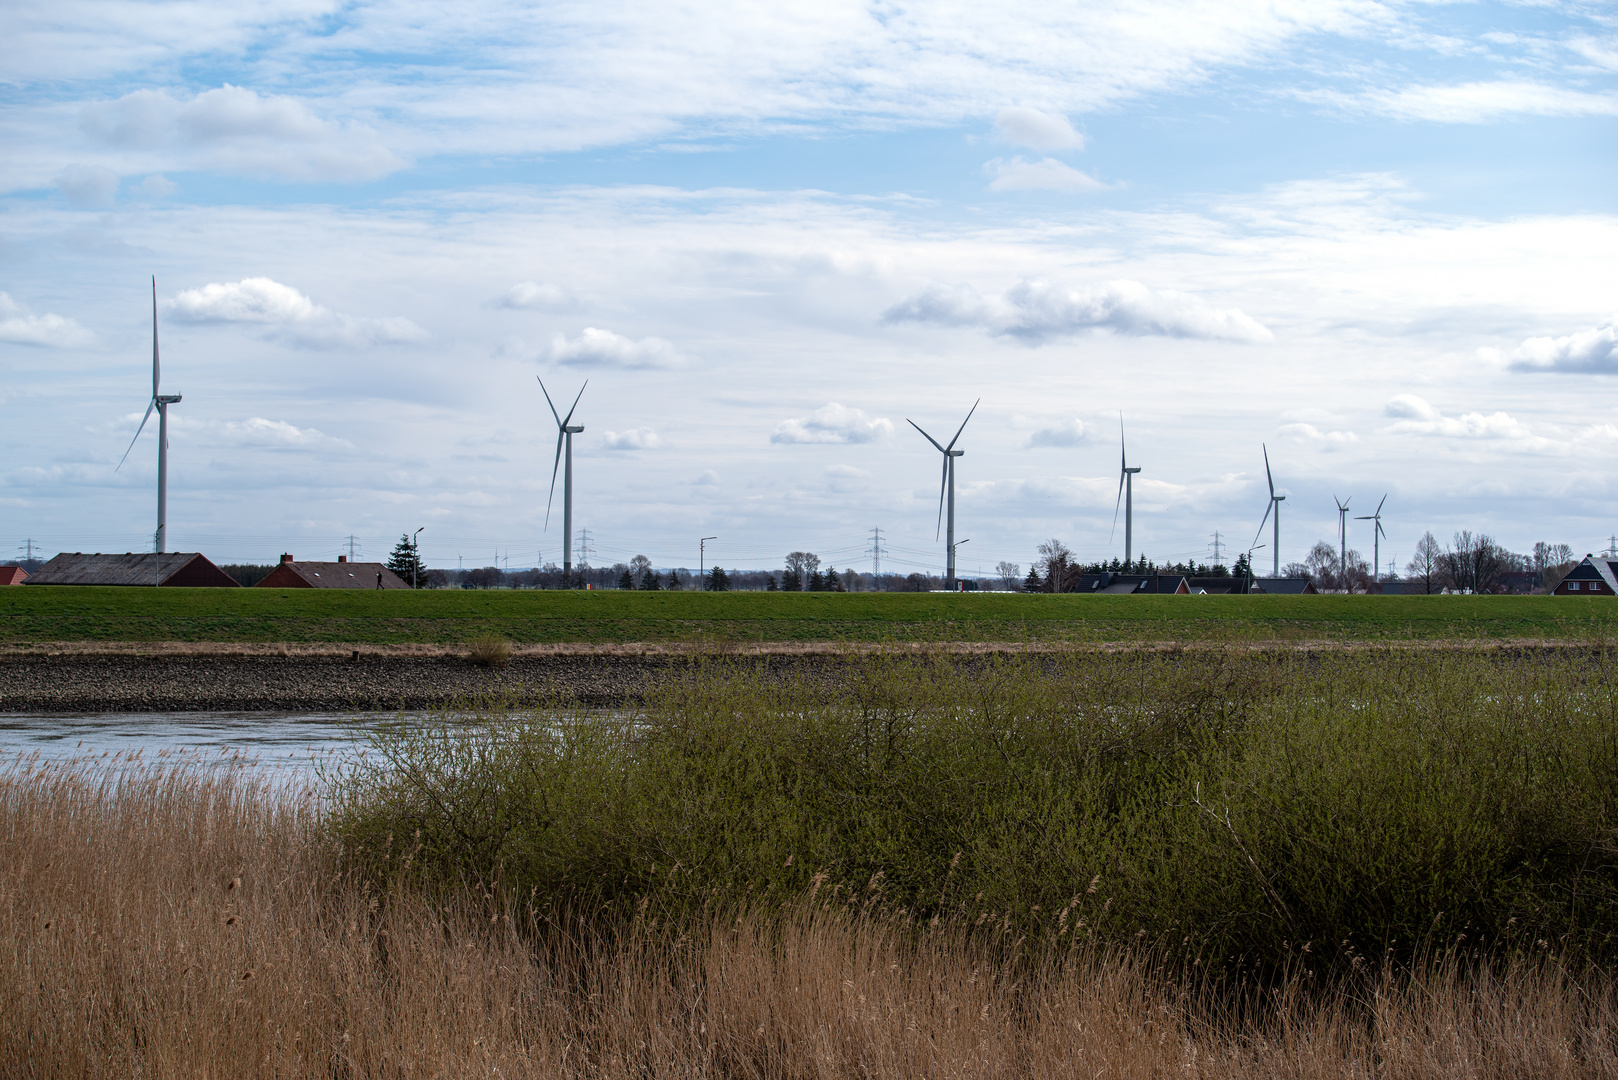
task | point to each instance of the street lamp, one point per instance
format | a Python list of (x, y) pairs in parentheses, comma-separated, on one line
[(415, 556), (958, 586), (702, 558)]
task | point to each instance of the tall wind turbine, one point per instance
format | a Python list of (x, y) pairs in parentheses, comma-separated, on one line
[(1126, 494), (1376, 538), (1342, 538), (161, 402), (948, 484), (564, 440), (1273, 505)]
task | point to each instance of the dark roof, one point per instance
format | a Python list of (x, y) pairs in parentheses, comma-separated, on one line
[(1284, 586), (1594, 568), (1213, 585), (174, 568), (330, 575)]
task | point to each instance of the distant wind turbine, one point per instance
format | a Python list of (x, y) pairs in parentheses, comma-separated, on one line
[(161, 402), (947, 484), (564, 439), (1342, 538), (1275, 506), (1126, 494), (1376, 537)]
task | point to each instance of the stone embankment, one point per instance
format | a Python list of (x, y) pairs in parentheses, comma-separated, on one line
[(115, 683)]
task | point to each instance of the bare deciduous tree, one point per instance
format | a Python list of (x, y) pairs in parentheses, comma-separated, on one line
[(1057, 563), (1010, 574), (1426, 565)]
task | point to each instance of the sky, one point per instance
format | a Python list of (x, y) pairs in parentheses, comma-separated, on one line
[(1375, 237)]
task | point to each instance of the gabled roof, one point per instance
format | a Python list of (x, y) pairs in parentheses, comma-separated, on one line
[(174, 568), (12, 575), (1592, 568), (1285, 586), (330, 575)]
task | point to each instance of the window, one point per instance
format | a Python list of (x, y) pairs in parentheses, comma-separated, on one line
[(1573, 586)]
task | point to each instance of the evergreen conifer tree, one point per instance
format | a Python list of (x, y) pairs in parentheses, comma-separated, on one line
[(625, 581), (648, 580), (769, 583), (674, 581), (407, 564), (1031, 583), (718, 580)]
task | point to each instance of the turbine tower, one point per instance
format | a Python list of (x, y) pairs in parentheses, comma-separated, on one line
[(948, 484), (564, 440), (161, 402), (1126, 494), (1342, 538), (1376, 537), (1275, 506)]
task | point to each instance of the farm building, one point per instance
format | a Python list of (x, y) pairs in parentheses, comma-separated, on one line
[(1284, 586), (341, 574), (1115, 583), (1592, 577), (174, 569), (12, 575)]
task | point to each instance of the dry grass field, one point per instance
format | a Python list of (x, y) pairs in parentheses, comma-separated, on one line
[(160, 920)]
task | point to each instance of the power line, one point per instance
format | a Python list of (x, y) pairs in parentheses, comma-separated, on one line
[(876, 550)]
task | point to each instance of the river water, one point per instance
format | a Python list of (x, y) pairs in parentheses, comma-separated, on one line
[(298, 743)]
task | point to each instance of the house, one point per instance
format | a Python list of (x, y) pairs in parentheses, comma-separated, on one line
[(341, 574), (12, 575), (1214, 585), (1285, 586), (173, 569), (1115, 583), (1592, 577)]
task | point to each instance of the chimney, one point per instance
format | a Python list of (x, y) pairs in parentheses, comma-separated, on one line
[(342, 558), (286, 558)]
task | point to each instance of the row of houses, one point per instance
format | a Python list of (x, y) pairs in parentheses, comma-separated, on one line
[(1592, 577), (192, 570)]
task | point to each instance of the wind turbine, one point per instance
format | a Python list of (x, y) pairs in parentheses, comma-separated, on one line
[(564, 438), (1273, 505), (161, 402), (948, 484), (1376, 537), (1342, 538), (1126, 494)]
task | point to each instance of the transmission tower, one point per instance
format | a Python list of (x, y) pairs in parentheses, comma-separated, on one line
[(584, 546), (352, 541), (876, 551), (1216, 545)]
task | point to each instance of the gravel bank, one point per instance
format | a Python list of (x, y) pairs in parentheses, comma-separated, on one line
[(112, 683)]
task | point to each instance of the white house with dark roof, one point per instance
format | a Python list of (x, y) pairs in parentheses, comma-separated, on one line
[(1592, 577)]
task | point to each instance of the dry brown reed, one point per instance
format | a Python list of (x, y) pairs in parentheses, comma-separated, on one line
[(160, 921), (489, 650)]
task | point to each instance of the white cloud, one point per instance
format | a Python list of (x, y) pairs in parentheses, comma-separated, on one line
[(1037, 130), (157, 186), (707, 478), (21, 327), (1473, 102), (259, 432), (537, 296), (644, 438), (1416, 416), (603, 348), (1037, 311), (237, 130), (1311, 433), (88, 185), (1046, 174), (291, 316), (833, 423), (1592, 351), (1065, 433)]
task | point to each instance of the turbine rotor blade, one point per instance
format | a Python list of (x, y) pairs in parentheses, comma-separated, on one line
[(962, 428), (1263, 521), (549, 402), (155, 371), (926, 436), (1379, 506), (943, 483), (560, 435), (138, 430), (1115, 507), (1267, 475), (1123, 449), (575, 403)]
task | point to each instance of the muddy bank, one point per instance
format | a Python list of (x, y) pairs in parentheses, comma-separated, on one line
[(113, 683)]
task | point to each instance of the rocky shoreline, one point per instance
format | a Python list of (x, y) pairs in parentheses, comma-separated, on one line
[(137, 684)]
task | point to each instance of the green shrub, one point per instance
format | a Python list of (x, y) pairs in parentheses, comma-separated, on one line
[(1231, 804)]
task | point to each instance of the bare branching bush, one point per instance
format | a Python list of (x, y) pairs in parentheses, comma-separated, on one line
[(490, 651), (191, 922)]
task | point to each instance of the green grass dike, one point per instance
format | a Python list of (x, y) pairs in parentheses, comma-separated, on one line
[(30, 614)]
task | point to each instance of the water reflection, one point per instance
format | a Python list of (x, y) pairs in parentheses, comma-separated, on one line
[(298, 741)]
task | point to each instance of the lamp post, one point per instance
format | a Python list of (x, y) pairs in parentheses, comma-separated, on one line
[(702, 560), (1250, 574), (958, 586), (415, 556)]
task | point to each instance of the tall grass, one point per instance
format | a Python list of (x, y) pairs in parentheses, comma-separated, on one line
[(1237, 810), (179, 922)]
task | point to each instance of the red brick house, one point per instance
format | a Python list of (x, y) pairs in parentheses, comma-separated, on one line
[(1592, 577), (341, 574), (12, 575)]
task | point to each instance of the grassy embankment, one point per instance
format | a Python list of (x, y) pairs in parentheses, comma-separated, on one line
[(46, 613)]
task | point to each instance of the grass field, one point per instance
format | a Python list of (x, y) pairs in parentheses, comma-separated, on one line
[(55, 613)]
